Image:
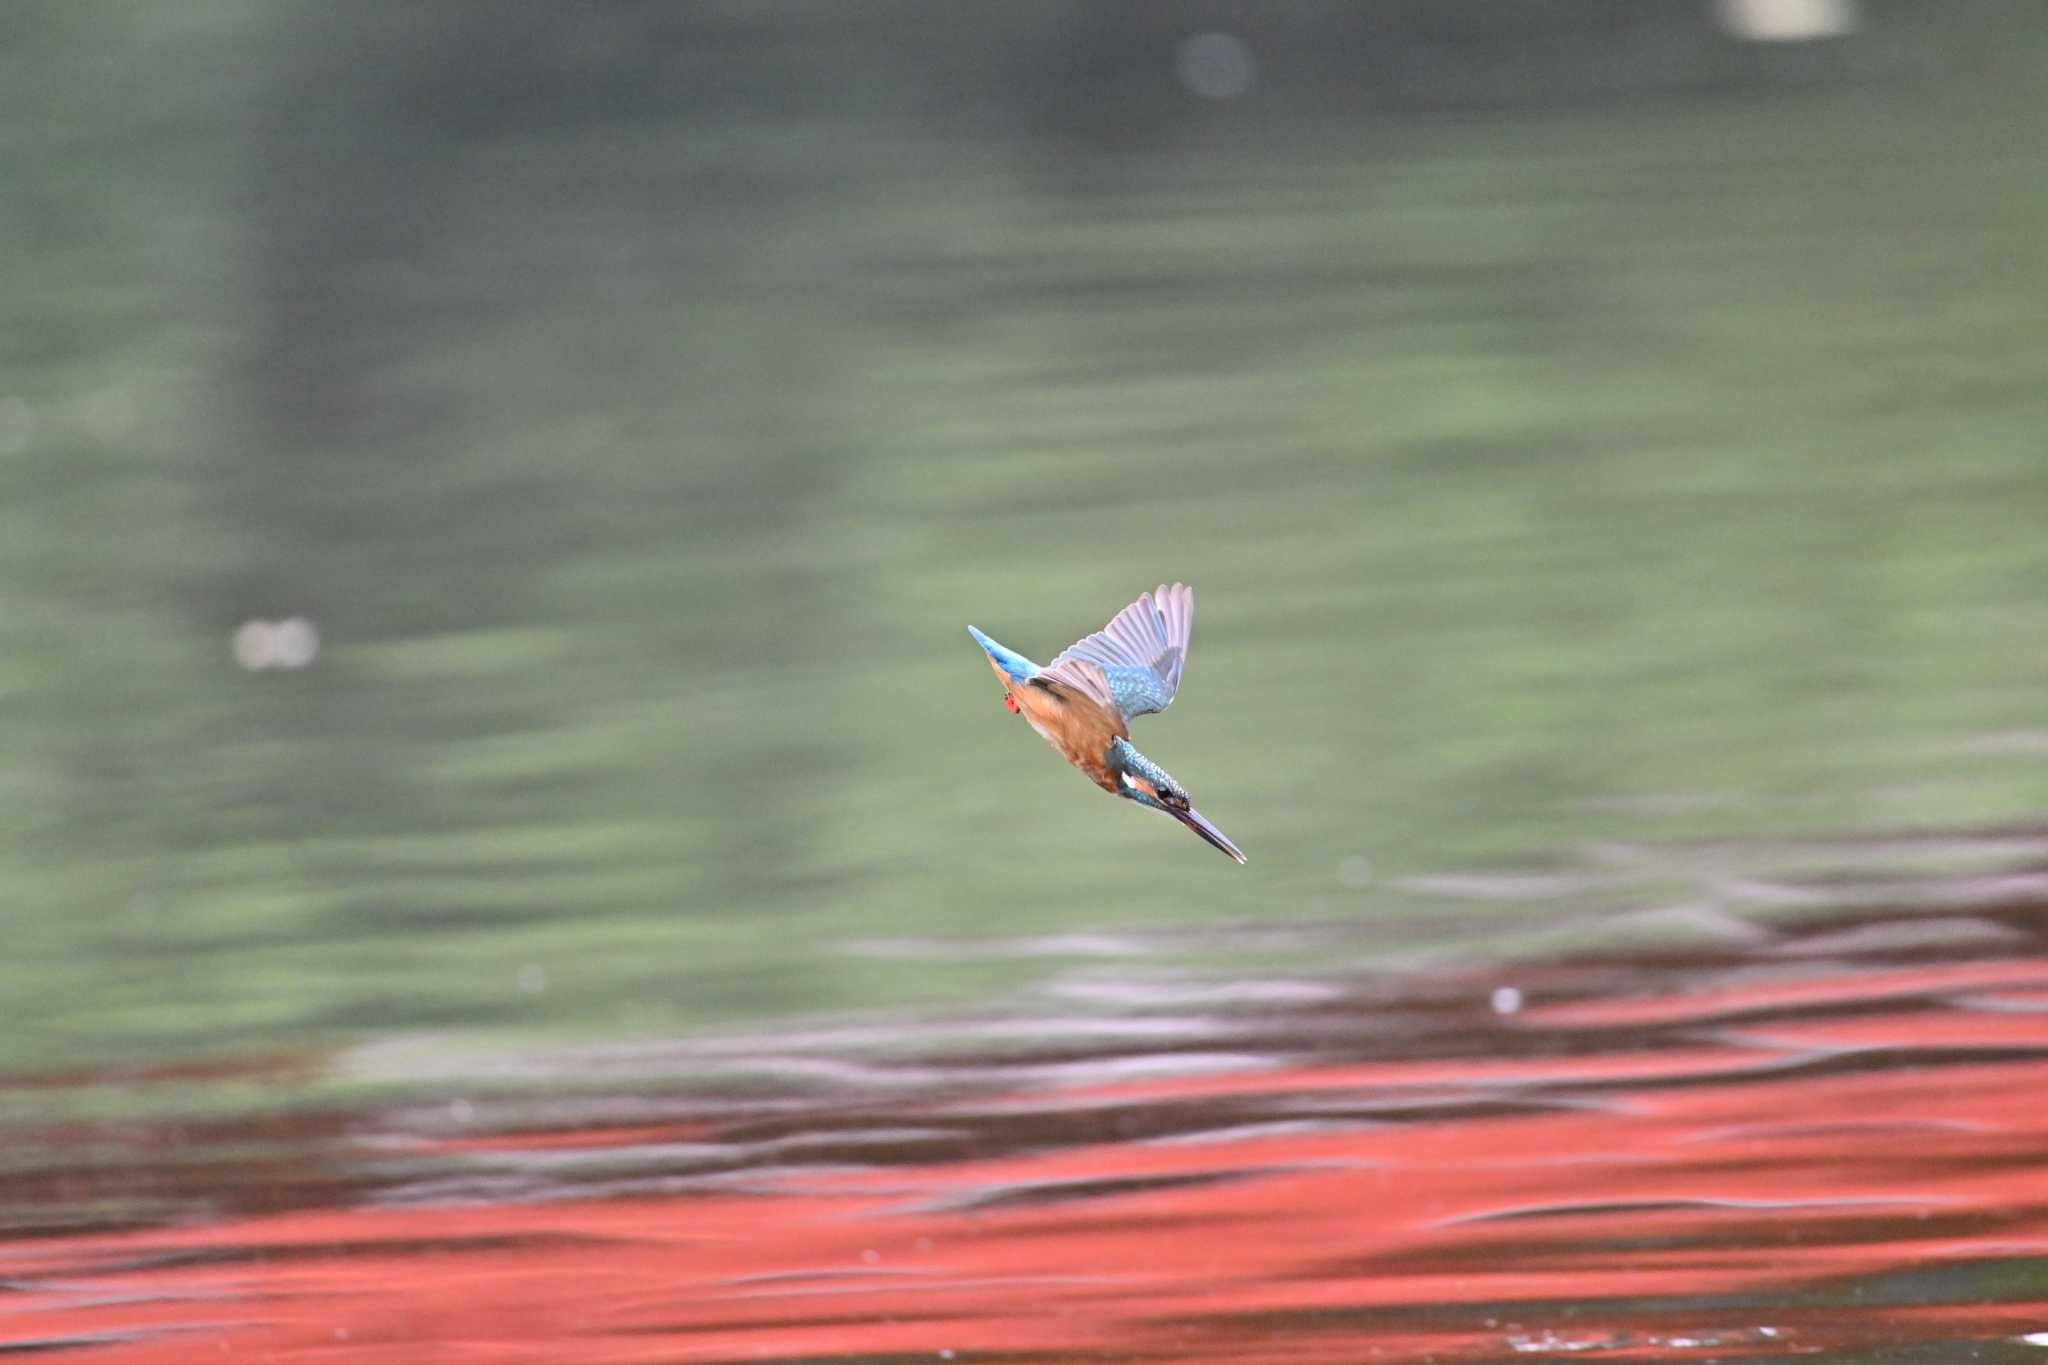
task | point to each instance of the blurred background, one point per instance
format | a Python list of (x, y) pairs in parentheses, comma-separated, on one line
[(494, 493)]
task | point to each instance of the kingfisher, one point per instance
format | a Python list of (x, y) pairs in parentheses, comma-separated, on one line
[(1084, 700)]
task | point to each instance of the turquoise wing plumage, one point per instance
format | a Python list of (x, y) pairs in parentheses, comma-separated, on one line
[(1140, 653)]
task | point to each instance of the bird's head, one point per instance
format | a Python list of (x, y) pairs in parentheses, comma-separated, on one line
[(1159, 792), (1156, 790)]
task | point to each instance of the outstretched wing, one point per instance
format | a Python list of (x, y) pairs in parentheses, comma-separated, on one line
[(1139, 654)]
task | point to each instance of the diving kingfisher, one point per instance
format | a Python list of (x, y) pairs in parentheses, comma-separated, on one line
[(1082, 702)]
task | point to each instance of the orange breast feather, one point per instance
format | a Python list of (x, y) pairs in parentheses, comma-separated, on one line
[(1079, 727)]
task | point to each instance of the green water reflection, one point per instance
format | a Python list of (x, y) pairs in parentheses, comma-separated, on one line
[(1613, 451)]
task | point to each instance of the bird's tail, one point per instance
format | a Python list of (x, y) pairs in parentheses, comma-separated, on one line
[(1013, 665)]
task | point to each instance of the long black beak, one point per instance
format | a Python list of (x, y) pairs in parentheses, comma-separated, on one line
[(1192, 818)]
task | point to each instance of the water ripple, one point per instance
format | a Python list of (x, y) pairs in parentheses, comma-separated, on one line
[(1823, 1138)]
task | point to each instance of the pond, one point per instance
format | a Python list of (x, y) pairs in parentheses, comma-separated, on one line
[(1819, 1139), (508, 851)]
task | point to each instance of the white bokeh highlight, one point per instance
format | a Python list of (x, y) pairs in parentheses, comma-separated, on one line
[(292, 643), (1216, 66), (1788, 21)]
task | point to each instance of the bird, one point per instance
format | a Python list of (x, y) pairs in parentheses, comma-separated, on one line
[(1082, 702)]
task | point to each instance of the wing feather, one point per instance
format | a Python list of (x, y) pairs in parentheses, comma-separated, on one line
[(1139, 655), (1083, 677)]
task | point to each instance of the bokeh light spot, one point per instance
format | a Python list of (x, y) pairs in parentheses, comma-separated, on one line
[(290, 643), (294, 642), (1216, 66), (252, 644), (1788, 21)]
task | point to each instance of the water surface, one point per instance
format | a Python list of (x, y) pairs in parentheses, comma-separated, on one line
[(1822, 1136), (626, 925)]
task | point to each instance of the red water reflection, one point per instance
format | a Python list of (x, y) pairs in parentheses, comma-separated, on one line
[(1758, 1156)]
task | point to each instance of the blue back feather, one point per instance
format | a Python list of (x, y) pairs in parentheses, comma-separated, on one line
[(1019, 668)]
